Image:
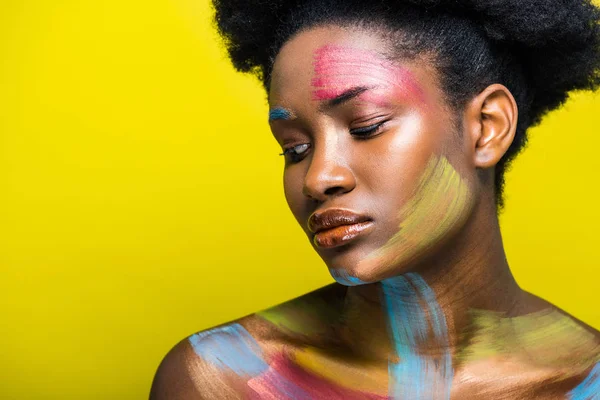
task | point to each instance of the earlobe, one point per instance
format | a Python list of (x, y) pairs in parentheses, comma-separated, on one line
[(494, 112)]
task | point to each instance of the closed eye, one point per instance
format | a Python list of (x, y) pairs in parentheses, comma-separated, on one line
[(367, 131)]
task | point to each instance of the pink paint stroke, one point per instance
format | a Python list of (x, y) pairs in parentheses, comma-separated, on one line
[(339, 68), (286, 380)]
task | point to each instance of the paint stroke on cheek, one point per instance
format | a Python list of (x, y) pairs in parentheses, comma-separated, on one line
[(589, 389), (440, 202), (230, 348), (416, 376), (339, 68)]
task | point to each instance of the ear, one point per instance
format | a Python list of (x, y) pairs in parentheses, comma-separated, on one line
[(491, 121)]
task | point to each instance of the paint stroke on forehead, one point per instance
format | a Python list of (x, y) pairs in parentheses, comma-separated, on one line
[(231, 348), (412, 308), (340, 68), (280, 113)]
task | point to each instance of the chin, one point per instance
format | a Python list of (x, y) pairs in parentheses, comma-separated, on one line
[(355, 267)]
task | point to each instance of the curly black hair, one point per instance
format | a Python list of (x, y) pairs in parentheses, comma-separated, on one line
[(539, 49)]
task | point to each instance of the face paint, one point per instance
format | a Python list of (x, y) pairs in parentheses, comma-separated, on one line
[(412, 309), (230, 348), (339, 68), (441, 202), (344, 278), (280, 113)]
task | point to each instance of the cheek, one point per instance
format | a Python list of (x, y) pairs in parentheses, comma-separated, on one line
[(439, 203), (292, 187), (397, 159)]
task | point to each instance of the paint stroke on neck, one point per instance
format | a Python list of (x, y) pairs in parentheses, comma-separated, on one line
[(413, 316)]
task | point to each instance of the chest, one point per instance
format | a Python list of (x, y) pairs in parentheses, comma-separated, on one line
[(321, 377)]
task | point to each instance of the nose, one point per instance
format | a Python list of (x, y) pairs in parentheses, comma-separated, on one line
[(328, 173)]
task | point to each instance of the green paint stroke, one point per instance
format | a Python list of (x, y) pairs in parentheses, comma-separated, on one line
[(439, 203), (546, 338), (299, 316)]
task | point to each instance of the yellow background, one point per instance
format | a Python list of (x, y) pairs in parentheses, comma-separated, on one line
[(141, 197)]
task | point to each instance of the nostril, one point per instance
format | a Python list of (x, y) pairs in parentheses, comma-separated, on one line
[(334, 190)]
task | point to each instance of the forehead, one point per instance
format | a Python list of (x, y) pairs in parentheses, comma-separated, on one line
[(319, 62), (295, 61)]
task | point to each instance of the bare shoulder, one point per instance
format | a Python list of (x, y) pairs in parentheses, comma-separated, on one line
[(211, 364), (587, 330), (219, 363)]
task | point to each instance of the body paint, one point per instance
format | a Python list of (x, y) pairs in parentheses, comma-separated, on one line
[(416, 376), (300, 384), (340, 68), (543, 339), (589, 389), (362, 376), (231, 348), (302, 317)]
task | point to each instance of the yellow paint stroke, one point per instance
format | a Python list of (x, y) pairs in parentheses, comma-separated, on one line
[(359, 376), (306, 316), (546, 339), (440, 203)]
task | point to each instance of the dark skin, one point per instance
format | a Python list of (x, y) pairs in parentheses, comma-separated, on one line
[(347, 328)]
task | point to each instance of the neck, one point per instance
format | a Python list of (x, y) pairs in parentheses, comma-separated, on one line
[(425, 311)]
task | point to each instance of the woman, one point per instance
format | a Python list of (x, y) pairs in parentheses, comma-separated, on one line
[(397, 120)]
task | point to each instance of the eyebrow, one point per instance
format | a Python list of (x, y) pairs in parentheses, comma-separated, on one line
[(347, 95), (344, 97), (280, 113)]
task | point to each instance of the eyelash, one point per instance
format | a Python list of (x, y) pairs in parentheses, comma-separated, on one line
[(362, 133)]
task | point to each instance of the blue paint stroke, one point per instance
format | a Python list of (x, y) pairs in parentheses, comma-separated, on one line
[(589, 388), (279, 113), (344, 278), (230, 347), (415, 376)]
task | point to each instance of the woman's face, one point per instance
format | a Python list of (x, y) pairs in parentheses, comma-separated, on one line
[(373, 137)]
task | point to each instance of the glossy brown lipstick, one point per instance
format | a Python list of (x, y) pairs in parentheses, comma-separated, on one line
[(335, 227)]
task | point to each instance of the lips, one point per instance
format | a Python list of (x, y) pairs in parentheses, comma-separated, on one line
[(335, 227)]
